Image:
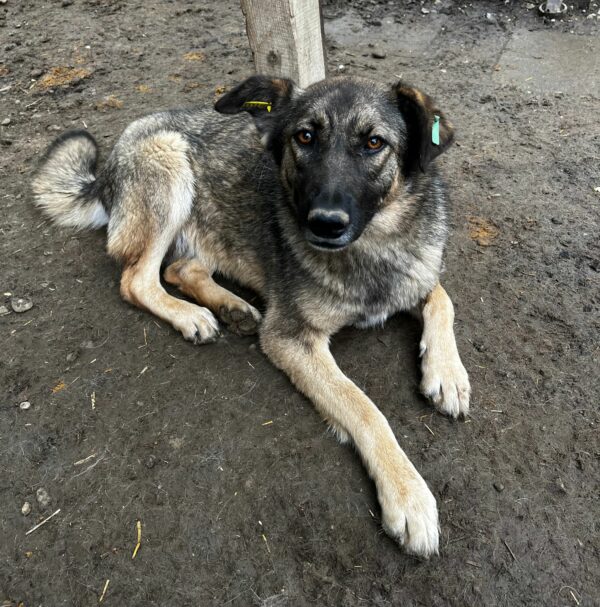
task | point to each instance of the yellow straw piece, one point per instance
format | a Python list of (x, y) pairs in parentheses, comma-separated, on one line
[(139, 539), (104, 591), (264, 537)]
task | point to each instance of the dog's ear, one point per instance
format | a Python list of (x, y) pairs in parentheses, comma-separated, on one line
[(262, 97), (429, 131)]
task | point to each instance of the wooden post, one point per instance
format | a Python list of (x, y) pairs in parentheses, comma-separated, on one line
[(286, 38)]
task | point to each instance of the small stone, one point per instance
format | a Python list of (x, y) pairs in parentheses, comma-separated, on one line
[(4, 311), (150, 461), (25, 508), (67, 2), (561, 486), (491, 18), (499, 487), (378, 55), (425, 11), (42, 497), (21, 304), (36, 73), (5, 122), (72, 357), (25, 405), (53, 127)]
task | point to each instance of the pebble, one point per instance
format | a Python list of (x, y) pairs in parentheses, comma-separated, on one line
[(21, 304), (42, 497), (4, 311), (25, 405), (5, 122), (36, 73), (72, 357), (150, 461), (425, 11), (491, 18), (53, 127), (25, 508), (378, 55), (499, 487)]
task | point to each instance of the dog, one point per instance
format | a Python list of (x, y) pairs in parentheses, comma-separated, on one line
[(327, 202)]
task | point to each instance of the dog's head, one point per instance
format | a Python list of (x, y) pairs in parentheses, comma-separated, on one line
[(343, 146)]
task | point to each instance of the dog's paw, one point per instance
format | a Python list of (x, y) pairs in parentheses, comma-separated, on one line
[(197, 324), (445, 381), (240, 317), (409, 515)]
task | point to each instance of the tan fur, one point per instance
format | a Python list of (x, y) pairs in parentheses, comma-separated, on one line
[(164, 181), (409, 511), (140, 286), (194, 280), (445, 380)]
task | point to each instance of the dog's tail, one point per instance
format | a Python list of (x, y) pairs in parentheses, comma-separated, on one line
[(64, 185)]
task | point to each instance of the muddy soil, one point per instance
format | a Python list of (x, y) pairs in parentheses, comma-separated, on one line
[(243, 497)]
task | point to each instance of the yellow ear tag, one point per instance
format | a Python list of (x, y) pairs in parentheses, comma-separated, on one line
[(264, 104)]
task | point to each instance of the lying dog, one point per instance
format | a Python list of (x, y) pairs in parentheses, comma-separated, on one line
[(325, 202)]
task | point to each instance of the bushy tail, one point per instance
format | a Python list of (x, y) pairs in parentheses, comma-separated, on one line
[(64, 185)]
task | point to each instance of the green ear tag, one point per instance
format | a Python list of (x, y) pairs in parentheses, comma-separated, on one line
[(435, 131)]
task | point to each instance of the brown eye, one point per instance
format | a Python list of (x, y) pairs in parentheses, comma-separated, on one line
[(374, 143), (304, 137)]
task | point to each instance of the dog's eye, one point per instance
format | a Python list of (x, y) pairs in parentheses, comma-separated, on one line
[(304, 137), (375, 143)]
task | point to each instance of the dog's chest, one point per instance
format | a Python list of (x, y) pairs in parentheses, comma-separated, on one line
[(373, 287)]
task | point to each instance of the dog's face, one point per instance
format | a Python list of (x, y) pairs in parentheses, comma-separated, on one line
[(343, 146)]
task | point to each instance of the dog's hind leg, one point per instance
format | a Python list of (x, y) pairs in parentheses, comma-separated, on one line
[(445, 381), (193, 279), (409, 511), (153, 205)]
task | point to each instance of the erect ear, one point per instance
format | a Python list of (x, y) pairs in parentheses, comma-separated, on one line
[(262, 97), (429, 131)]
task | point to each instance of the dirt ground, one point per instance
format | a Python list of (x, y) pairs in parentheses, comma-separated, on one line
[(243, 497)]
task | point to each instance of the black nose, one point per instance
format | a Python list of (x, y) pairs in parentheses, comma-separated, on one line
[(328, 224)]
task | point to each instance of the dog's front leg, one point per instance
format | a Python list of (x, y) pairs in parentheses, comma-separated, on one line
[(445, 380), (409, 512)]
